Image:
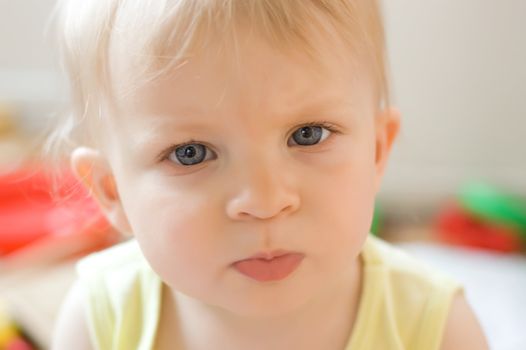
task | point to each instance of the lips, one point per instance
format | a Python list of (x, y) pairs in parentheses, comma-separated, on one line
[(269, 266)]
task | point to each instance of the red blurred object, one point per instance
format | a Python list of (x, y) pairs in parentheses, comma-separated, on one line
[(19, 344), (456, 226), (30, 214)]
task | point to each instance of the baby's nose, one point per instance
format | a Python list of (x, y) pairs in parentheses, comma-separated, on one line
[(262, 192)]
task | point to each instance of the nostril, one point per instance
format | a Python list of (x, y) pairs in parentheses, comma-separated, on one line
[(252, 208)]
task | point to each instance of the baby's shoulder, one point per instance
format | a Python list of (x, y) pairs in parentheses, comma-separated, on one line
[(428, 306), (121, 295), (120, 256), (404, 270), (411, 300), (116, 273)]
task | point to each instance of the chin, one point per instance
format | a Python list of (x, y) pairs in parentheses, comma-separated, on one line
[(267, 301), (266, 309)]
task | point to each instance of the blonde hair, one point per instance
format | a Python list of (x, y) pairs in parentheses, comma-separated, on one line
[(157, 35)]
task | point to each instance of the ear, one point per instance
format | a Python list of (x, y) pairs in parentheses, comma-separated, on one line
[(387, 125), (93, 170)]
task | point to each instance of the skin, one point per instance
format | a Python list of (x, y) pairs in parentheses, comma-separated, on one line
[(256, 191)]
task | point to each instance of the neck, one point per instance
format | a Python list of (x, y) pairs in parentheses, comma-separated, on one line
[(325, 323)]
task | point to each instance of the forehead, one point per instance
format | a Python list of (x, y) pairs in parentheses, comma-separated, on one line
[(247, 77)]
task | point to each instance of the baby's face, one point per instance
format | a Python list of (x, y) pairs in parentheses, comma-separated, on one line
[(276, 155)]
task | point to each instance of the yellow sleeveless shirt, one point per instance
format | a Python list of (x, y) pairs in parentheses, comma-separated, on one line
[(403, 304)]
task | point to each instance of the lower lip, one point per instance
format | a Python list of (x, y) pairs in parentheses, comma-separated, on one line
[(269, 270)]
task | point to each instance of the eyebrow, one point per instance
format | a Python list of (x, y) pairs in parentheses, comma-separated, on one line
[(305, 102), (333, 100), (192, 119), (334, 105)]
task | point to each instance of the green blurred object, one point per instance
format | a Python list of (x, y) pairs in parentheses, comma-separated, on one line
[(376, 225), (492, 204)]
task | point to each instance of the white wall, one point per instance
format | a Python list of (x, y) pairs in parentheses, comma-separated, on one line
[(29, 76), (459, 78)]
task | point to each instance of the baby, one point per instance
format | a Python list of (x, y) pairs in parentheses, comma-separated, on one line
[(241, 144)]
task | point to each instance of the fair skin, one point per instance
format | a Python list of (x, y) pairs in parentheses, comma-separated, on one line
[(257, 189)]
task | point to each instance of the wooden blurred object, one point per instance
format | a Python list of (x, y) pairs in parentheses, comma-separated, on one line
[(15, 146)]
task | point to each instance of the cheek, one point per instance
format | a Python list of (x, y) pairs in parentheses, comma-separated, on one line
[(172, 230), (344, 203)]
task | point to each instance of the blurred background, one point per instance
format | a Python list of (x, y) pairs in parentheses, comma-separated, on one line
[(459, 77), (454, 192)]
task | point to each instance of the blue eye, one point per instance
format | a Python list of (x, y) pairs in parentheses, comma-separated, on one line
[(310, 135), (192, 153), (189, 154)]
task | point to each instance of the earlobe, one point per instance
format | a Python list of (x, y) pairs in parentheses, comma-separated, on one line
[(93, 170), (387, 128)]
